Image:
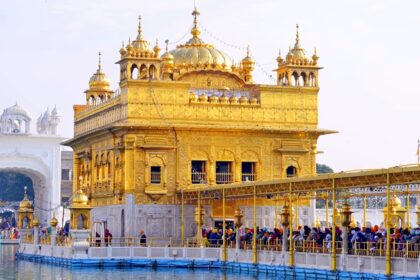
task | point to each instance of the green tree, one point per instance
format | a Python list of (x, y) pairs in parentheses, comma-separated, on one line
[(12, 184), (323, 168)]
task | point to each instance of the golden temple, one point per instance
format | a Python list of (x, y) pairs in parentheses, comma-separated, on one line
[(192, 118)]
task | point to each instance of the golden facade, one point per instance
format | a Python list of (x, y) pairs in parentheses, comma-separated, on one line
[(192, 118)]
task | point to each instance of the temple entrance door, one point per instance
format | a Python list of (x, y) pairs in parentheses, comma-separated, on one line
[(219, 224)]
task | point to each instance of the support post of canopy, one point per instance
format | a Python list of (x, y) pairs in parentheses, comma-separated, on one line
[(291, 249), (254, 236), (182, 219), (276, 212), (224, 251), (333, 251), (388, 228), (408, 208), (364, 209), (297, 212), (199, 234), (326, 210)]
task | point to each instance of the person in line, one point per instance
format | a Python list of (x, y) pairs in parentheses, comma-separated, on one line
[(143, 238), (108, 237)]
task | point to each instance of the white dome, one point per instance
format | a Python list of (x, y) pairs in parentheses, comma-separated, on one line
[(15, 110)]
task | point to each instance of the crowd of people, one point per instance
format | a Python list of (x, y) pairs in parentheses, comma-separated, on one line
[(369, 239), (9, 229)]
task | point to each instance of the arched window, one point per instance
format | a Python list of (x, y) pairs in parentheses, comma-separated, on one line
[(302, 79), (152, 72), (295, 79), (291, 171), (143, 72), (134, 72)]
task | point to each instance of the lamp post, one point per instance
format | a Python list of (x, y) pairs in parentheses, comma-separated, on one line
[(35, 223), (345, 222), (238, 223), (53, 224), (418, 215), (199, 213), (285, 221)]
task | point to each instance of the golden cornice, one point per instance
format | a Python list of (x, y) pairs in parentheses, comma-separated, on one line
[(92, 110), (293, 150)]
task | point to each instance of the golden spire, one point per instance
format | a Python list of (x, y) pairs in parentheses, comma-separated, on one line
[(195, 31), (167, 45), (156, 49), (99, 62), (25, 195), (139, 35), (297, 44)]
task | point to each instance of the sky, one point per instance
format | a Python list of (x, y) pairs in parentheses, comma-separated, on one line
[(369, 50)]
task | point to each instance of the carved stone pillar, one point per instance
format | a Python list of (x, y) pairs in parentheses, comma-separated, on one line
[(129, 183)]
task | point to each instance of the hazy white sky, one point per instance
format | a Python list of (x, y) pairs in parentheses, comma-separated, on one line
[(369, 49)]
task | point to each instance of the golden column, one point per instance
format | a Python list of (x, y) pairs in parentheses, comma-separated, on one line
[(333, 251), (276, 210), (182, 219), (345, 222), (285, 221), (254, 236), (199, 213), (364, 209), (326, 210), (224, 251), (238, 223), (418, 215), (408, 207), (388, 228), (291, 256)]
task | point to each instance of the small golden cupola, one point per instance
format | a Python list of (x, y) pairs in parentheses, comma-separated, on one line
[(297, 69), (139, 61), (80, 211), (167, 63), (99, 86), (25, 212), (25, 204), (247, 64)]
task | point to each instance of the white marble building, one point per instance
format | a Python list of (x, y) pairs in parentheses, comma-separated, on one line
[(37, 156)]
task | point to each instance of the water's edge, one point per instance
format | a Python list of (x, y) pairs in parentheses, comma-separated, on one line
[(286, 271)]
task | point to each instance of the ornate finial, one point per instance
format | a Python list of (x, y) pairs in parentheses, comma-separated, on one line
[(156, 49), (167, 45), (99, 62), (122, 44), (247, 51), (195, 31), (139, 30), (297, 36), (25, 195)]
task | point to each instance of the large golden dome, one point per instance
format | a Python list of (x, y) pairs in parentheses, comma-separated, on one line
[(196, 53)]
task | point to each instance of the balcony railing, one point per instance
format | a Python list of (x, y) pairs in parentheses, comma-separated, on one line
[(198, 177), (155, 178), (223, 178), (248, 177)]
